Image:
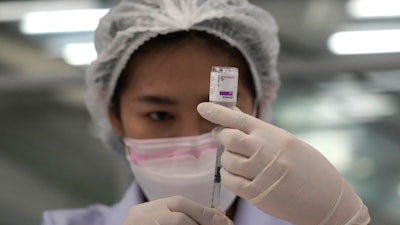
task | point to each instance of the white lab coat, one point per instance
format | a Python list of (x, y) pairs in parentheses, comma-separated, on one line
[(246, 214)]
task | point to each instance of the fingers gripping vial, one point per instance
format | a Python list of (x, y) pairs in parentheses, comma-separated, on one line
[(223, 91)]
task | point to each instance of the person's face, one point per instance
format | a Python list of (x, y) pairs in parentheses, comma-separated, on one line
[(165, 88)]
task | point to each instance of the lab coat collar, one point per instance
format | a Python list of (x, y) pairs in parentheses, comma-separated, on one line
[(119, 211)]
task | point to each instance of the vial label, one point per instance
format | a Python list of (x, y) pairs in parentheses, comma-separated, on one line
[(224, 84)]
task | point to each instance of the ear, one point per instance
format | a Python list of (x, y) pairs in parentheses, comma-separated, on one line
[(115, 121)]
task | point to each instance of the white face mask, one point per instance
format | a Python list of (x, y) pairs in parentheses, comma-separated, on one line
[(177, 166)]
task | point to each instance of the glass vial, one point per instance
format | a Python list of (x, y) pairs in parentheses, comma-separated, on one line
[(224, 85)]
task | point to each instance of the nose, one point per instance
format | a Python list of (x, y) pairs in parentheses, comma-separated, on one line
[(194, 124)]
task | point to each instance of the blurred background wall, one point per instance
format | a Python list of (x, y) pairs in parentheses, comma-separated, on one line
[(340, 66)]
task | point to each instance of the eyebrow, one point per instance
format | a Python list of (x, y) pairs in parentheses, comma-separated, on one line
[(158, 100)]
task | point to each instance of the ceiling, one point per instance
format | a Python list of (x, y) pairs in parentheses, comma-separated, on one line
[(305, 26), (49, 158)]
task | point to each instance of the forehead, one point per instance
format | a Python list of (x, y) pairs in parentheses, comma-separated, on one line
[(176, 63), (183, 65)]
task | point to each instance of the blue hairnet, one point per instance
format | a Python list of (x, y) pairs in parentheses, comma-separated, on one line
[(129, 24)]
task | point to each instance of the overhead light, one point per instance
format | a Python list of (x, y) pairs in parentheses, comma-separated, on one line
[(15, 10), (373, 8), (364, 42), (62, 21), (79, 54)]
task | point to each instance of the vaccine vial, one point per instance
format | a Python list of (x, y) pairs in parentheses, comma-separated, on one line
[(224, 85)]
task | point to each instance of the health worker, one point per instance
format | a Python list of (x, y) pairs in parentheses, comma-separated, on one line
[(147, 93)]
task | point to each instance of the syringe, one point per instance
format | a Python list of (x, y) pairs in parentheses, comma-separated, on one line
[(217, 179), (223, 91)]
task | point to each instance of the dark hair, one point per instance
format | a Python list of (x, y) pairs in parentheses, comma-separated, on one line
[(163, 40)]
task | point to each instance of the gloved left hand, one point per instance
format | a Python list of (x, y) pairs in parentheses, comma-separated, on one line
[(175, 210), (279, 173)]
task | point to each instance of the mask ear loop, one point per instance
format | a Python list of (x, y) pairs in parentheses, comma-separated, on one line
[(127, 150), (255, 110)]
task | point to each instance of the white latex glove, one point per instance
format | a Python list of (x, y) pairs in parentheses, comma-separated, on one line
[(175, 210), (280, 174)]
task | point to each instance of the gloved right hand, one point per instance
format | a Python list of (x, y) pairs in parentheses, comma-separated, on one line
[(175, 210), (280, 174)]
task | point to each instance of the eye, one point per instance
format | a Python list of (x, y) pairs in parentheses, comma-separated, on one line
[(160, 116)]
